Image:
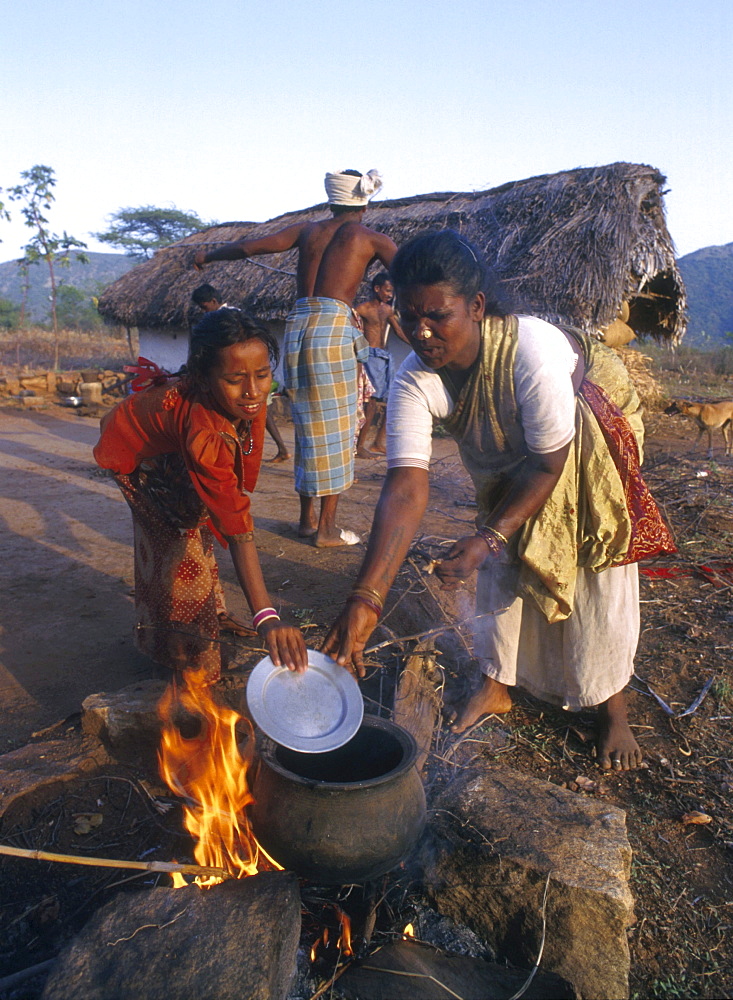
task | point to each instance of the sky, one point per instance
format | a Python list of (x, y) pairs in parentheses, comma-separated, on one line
[(235, 109)]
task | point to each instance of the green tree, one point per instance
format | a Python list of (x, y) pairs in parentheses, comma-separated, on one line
[(25, 286), (142, 231), (69, 305), (9, 314), (76, 309), (36, 196)]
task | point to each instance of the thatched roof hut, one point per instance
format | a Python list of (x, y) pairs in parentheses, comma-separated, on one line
[(572, 246)]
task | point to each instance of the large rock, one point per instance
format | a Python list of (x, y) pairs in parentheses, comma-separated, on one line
[(125, 720), (497, 836), (236, 940), (405, 970), (36, 773)]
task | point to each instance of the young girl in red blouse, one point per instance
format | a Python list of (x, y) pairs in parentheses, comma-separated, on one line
[(185, 454)]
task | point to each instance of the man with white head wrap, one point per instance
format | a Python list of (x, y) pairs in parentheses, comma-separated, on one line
[(322, 342), (349, 187)]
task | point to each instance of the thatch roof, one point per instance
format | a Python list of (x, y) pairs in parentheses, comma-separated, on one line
[(570, 246)]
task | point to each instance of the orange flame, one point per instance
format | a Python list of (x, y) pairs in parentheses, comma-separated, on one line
[(409, 931), (344, 941), (322, 940), (208, 771)]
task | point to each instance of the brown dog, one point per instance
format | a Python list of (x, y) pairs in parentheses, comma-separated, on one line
[(708, 417)]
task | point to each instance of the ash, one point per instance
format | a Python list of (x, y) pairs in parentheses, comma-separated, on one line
[(452, 938)]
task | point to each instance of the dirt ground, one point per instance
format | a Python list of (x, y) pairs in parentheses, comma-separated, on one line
[(67, 575), (67, 618)]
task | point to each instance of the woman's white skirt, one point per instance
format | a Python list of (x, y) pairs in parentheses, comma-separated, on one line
[(576, 663)]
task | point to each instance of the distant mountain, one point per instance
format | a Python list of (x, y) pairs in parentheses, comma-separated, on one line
[(708, 277), (102, 270)]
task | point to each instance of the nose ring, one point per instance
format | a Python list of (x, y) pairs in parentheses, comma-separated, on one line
[(425, 334)]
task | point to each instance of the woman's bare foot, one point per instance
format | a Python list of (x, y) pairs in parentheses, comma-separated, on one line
[(364, 453), (616, 747), (307, 530), (283, 456), (492, 698)]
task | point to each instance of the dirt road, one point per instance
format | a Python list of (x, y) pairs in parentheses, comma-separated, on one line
[(67, 613)]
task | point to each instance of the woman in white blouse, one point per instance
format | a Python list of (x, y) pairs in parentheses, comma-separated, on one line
[(548, 426)]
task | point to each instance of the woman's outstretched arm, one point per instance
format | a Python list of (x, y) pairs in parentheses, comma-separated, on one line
[(285, 643), (532, 485), (398, 513)]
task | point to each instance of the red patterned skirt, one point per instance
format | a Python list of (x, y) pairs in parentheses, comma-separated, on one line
[(178, 595)]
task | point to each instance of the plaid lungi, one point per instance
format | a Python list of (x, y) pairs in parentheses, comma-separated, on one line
[(322, 347)]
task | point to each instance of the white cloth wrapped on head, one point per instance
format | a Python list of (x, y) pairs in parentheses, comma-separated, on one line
[(349, 189)]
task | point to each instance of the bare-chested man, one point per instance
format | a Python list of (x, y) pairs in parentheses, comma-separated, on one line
[(322, 345), (378, 318)]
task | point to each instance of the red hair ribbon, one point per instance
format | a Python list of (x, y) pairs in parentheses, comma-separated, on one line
[(147, 374)]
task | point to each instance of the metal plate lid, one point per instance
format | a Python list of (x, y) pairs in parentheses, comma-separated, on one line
[(315, 711)]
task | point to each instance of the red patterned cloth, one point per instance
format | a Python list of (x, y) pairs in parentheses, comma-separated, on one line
[(720, 574), (173, 418), (650, 536), (178, 596)]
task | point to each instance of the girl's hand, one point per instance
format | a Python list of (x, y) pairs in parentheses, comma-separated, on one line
[(348, 636), (466, 556), (285, 644)]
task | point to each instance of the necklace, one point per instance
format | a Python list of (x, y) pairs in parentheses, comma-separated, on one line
[(246, 440)]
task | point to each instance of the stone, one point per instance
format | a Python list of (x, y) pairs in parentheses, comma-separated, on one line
[(233, 941), (33, 402), (494, 840), (66, 387), (91, 393), (10, 385), (430, 975), (36, 772), (125, 720), (37, 383)]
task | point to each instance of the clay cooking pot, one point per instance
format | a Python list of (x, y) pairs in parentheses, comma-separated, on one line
[(347, 815)]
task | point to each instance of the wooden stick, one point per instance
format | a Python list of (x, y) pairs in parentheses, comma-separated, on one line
[(148, 866), (338, 972)]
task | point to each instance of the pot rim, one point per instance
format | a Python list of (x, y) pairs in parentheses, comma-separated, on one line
[(404, 738)]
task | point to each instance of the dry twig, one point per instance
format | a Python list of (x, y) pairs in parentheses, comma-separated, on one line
[(142, 927), (535, 967), (412, 975)]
